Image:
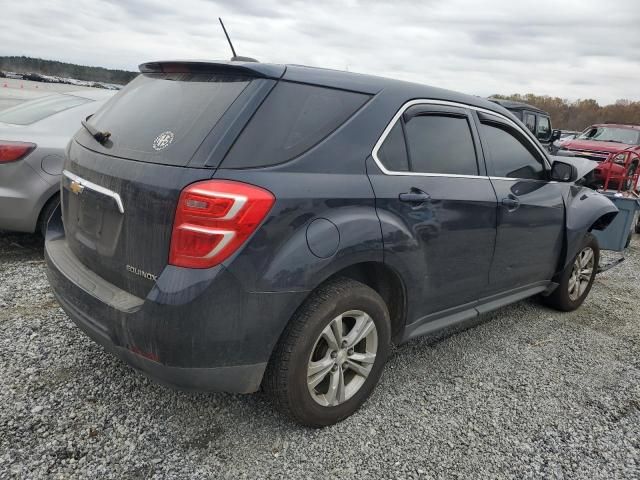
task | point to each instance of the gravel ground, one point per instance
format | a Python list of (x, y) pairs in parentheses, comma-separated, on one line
[(524, 393)]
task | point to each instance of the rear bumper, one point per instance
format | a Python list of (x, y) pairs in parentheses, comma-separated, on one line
[(207, 335), (236, 379)]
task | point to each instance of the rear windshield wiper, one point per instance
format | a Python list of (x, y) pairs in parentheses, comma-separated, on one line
[(101, 137)]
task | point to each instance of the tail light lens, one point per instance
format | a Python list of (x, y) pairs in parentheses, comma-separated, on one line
[(213, 219), (13, 151)]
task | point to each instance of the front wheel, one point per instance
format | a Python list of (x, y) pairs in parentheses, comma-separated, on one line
[(331, 354), (577, 278)]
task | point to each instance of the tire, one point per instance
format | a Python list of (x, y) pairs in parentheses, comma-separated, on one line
[(566, 298), (638, 225), (46, 212), (303, 348)]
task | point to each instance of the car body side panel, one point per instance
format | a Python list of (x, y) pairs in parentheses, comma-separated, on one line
[(442, 247), (529, 237), (278, 257), (583, 208), (23, 192)]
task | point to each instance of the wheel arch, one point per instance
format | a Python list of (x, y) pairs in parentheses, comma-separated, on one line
[(387, 283), (43, 206), (586, 211), (375, 274)]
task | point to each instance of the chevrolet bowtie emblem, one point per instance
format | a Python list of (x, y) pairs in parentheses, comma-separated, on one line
[(76, 187)]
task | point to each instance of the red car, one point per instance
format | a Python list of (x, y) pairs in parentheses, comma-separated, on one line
[(600, 142)]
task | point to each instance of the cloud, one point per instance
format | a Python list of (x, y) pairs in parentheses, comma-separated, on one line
[(572, 49)]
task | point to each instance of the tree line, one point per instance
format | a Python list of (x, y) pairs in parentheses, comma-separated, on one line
[(61, 69), (579, 114)]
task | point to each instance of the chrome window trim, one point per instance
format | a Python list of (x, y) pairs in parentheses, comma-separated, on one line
[(411, 103), (96, 188)]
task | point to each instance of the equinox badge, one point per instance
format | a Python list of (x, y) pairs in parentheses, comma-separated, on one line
[(141, 273)]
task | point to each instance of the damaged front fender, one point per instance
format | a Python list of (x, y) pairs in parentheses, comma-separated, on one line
[(586, 210)]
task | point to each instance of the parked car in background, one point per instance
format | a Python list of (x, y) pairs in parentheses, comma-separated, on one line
[(33, 136), (536, 120), (598, 142), (230, 224), (564, 136)]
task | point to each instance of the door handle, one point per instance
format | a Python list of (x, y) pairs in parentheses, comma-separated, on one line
[(414, 196), (511, 202)]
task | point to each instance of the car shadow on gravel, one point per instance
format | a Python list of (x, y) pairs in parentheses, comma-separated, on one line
[(21, 246)]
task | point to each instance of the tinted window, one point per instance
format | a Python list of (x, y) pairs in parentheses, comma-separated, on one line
[(292, 119), (441, 144), (36, 110), (163, 118), (530, 122), (509, 157), (393, 152), (543, 127)]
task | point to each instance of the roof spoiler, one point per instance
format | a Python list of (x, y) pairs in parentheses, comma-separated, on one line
[(239, 67)]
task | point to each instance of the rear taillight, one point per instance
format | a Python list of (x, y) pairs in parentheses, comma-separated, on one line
[(12, 151), (213, 219)]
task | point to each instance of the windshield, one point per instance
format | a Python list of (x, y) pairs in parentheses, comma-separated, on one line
[(36, 110), (611, 134)]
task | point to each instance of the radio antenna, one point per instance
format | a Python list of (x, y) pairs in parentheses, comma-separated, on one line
[(235, 57), (233, 50)]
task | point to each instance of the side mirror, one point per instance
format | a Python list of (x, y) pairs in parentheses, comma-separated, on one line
[(563, 172), (555, 135)]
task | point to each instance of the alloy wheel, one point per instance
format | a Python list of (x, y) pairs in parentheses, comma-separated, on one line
[(342, 358), (581, 273)]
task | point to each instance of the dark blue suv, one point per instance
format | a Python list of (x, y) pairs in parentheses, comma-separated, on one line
[(226, 226)]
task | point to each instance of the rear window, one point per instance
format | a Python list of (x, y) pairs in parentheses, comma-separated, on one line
[(292, 119), (36, 110), (163, 118)]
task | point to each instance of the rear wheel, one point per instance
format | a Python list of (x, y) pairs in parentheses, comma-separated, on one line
[(331, 355), (46, 213), (577, 278)]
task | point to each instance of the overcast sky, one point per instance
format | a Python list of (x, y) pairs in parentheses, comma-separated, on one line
[(569, 48)]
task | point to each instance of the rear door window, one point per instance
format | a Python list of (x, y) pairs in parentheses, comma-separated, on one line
[(163, 118), (36, 110), (393, 151), (294, 118), (441, 144)]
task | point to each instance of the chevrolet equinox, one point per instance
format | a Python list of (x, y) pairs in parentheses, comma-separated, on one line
[(227, 226)]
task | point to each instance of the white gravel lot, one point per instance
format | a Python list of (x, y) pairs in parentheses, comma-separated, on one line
[(525, 393)]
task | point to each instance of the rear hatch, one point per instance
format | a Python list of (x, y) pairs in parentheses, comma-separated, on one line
[(119, 199)]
